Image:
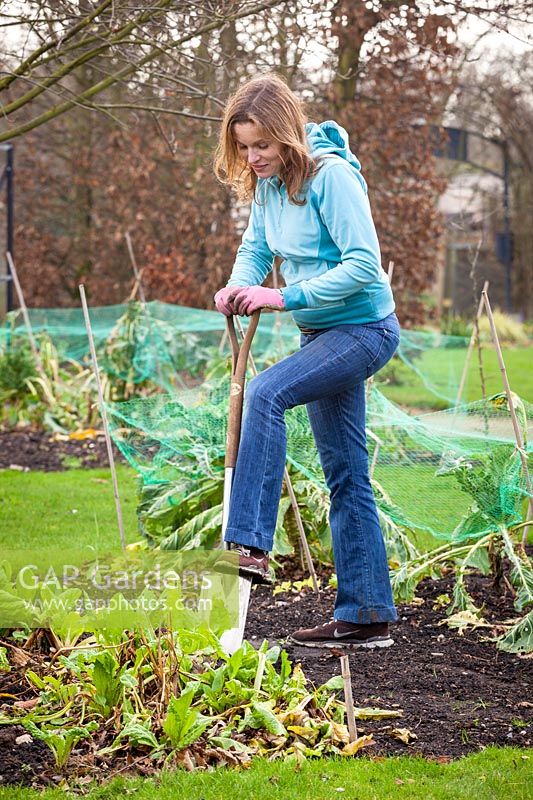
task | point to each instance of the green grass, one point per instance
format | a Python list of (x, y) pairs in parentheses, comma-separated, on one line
[(519, 372), (444, 367), (65, 509), (432, 502), (76, 507), (489, 775)]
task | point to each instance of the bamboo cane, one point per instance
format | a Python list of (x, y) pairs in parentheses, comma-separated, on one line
[(516, 427), (299, 523), (277, 314), (260, 672), (370, 381), (138, 287), (103, 412), (25, 316), (473, 338), (301, 531), (375, 454), (348, 698)]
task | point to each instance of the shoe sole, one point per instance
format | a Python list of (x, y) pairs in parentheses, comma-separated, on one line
[(369, 644)]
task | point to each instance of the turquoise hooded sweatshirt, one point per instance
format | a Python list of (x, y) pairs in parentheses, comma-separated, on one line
[(330, 251)]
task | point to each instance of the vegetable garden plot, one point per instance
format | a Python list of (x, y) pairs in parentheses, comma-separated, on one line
[(437, 693), (454, 475), (461, 483), (169, 345), (431, 473)]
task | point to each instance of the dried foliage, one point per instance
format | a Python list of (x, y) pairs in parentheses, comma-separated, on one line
[(384, 70)]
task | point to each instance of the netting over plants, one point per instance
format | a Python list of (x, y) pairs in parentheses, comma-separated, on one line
[(171, 346), (453, 473)]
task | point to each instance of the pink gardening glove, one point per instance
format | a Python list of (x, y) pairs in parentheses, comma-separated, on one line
[(224, 300), (249, 299)]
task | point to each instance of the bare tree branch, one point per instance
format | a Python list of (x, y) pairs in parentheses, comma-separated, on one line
[(155, 109), (207, 16)]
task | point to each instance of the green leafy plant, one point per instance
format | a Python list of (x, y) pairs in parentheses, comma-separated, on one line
[(5, 666), (519, 638), (177, 694), (483, 536), (183, 725), (61, 741), (17, 366)]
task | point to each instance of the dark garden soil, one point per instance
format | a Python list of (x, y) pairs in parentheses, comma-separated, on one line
[(457, 693), (28, 449), (24, 759)]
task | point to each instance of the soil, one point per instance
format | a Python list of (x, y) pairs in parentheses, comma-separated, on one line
[(23, 761), (457, 693), (26, 449)]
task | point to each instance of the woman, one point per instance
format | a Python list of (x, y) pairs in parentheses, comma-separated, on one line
[(310, 207)]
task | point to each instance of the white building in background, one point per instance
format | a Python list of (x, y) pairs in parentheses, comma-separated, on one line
[(473, 210)]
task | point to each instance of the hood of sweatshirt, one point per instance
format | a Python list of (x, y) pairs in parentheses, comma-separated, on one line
[(330, 138)]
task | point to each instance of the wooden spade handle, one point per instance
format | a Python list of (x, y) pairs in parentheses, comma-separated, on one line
[(236, 394)]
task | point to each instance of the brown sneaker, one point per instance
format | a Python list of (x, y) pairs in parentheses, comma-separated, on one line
[(253, 563), (338, 633)]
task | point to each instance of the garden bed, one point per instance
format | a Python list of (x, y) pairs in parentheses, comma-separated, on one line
[(30, 449), (458, 693)]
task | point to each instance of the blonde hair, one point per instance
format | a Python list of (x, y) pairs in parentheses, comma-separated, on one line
[(267, 101)]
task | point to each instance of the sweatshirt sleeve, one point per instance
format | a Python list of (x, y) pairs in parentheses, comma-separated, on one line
[(254, 258), (344, 210)]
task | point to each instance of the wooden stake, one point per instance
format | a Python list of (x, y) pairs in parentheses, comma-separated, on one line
[(516, 426), (26, 316), (277, 314), (301, 531), (473, 338), (370, 381), (103, 412), (375, 455), (348, 698), (223, 340), (137, 286), (287, 478)]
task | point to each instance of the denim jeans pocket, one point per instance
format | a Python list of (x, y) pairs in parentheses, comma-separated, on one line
[(384, 344)]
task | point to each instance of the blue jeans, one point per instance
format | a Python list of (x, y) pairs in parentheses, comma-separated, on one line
[(327, 374)]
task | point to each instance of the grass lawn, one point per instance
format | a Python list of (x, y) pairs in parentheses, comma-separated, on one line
[(442, 369), (432, 503), (76, 507), (65, 509), (489, 775)]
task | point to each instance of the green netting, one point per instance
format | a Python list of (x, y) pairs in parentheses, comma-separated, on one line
[(170, 346), (454, 473), (167, 345), (436, 361)]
